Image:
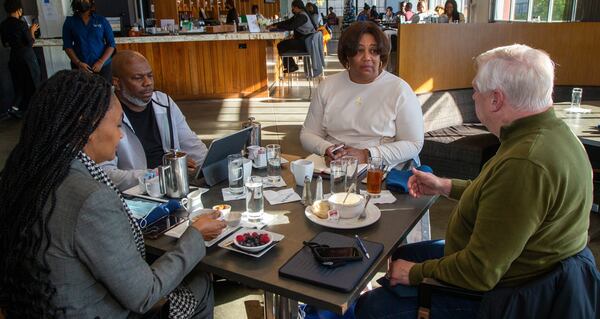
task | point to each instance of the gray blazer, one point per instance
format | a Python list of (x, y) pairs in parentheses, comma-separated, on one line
[(94, 264)]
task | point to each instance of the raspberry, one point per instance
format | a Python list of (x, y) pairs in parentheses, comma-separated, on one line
[(239, 238)]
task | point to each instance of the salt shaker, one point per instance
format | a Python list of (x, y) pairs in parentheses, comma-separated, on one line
[(306, 194), (319, 191)]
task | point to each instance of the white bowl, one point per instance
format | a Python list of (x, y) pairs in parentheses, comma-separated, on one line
[(351, 208), (253, 248)]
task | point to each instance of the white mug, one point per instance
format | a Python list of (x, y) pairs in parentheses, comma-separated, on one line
[(247, 164), (261, 159), (301, 169), (252, 151), (193, 201)]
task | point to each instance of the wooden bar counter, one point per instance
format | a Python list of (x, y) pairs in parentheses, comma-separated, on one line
[(198, 66)]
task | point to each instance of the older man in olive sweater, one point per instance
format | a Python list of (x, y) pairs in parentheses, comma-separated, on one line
[(528, 209)]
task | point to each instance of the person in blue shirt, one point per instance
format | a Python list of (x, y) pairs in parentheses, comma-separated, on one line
[(365, 14), (88, 39)]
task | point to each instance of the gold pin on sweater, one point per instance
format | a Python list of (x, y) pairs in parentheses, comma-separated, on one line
[(358, 101)]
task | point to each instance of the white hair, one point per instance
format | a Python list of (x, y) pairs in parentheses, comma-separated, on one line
[(525, 75)]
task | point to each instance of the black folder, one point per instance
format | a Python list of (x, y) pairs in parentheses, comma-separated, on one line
[(303, 265)]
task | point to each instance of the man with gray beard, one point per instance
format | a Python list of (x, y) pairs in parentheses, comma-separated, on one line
[(152, 123)]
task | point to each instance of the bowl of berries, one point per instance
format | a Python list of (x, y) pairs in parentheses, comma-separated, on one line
[(253, 241)]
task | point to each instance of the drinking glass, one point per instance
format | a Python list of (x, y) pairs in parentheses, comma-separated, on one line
[(351, 164), (254, 199), (374, 176), (337, 176), (235, 167), (274, 162), (576, 98)]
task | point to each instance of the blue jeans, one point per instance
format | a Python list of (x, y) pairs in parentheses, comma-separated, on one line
[(401, 301)]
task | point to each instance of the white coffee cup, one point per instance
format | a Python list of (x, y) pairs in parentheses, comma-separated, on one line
[(252, 151), (301, 169), (247, 164), (258, 155), (152, 186), (193, 201)]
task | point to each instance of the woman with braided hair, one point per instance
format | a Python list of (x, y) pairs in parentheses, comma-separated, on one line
[(70, 247)]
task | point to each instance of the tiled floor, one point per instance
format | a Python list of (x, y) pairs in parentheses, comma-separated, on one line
[(281, 117)]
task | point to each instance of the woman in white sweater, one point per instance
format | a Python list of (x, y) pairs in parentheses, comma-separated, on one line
[(371, 112)]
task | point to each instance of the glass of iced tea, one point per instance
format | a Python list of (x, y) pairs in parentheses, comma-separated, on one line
[(374, 176)]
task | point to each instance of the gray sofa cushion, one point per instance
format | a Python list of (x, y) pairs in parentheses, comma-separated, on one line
[(448, 108), (458, 151), (456, 144)]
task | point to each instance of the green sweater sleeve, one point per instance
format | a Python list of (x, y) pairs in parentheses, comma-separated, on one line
[(510, 205), (458, 187)]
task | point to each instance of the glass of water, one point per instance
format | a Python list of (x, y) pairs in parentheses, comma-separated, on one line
[(337, 176), (235, 167), (274, 162), (576, 97), (351, 164), (255, 202)]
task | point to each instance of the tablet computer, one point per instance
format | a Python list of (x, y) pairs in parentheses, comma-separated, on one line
[(214, 168)]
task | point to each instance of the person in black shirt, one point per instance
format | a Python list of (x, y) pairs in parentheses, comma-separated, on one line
[(152, 124), (145, 127), (302, 26), (232, 16), (23, 65)]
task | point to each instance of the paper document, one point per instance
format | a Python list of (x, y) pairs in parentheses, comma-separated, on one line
[(252, 23)]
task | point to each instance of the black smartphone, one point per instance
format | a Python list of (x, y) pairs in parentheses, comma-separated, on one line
[(327, 254), (162, 225)]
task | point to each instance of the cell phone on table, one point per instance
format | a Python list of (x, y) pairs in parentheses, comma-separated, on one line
[(337, 254), (162, 225)]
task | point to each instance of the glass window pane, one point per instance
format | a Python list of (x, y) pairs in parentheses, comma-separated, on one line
[(561, 10), (521, 8), (502, 10), (540, 9)]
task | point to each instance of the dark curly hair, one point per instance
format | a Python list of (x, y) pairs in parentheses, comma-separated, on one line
[(348, 44), (11, 6), (61, 116)]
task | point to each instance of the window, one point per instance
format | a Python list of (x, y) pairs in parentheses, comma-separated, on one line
[(533, 10)]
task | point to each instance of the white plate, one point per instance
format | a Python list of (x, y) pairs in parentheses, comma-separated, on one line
[(229, 245), (373, 215), (179, 230)]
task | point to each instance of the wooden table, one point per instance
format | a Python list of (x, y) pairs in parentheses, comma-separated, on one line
[(584, 125), (396, 221)]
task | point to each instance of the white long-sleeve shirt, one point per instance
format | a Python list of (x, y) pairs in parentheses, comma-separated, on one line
[(383, 116)]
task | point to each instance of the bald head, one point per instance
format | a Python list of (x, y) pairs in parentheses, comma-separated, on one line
[(132, 78), (123, 60)]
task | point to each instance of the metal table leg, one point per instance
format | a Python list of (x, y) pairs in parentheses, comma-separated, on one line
[(277, 307)]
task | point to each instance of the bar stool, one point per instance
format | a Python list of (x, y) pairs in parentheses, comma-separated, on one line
[(308, 70)]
